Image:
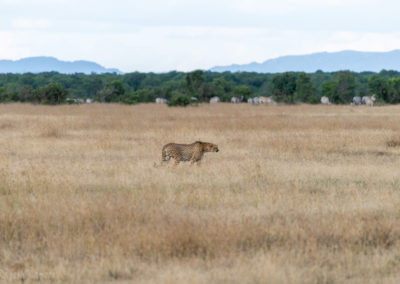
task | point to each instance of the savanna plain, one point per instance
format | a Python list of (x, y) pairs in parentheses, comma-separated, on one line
[(296, 194)]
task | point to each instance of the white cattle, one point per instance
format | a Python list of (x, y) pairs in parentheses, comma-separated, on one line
[(236, 100), (325, 100), (266, 100), (254, 100), (368, 100), (161, 101), (356, 100), (214, 100), (79, 101)]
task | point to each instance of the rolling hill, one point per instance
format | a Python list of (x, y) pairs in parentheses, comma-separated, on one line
[(49, 64), (326, 61)]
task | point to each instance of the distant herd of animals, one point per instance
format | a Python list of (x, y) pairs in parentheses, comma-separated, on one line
[(357, 100)]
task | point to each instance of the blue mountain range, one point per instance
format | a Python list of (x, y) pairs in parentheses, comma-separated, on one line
[(48, 64), (357, 61)]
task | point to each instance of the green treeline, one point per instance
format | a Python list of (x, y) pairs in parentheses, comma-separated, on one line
[(181, 88)]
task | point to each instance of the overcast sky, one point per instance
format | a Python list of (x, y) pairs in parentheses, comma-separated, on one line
[(164, 35)]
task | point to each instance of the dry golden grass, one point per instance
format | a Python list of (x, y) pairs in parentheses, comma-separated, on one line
[(297, 194)]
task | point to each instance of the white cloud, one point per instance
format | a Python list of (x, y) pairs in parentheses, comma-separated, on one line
[(12, 47), (362, 41), (25, 23), (23, 2), (157, 35), (289, 6)]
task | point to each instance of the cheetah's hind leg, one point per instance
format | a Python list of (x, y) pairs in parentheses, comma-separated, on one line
[(164, 157)]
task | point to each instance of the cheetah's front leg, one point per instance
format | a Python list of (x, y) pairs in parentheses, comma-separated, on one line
[(195, 158)]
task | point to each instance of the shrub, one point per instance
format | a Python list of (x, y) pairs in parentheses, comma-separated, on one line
[(179, 100), (130, 99), (51, 94)]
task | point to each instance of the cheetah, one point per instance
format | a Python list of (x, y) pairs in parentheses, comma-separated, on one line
[(186, 152)]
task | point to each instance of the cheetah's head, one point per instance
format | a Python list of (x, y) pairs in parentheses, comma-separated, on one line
[(209, 147)]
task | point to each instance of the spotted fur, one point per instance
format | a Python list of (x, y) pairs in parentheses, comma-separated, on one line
[(187, 152)]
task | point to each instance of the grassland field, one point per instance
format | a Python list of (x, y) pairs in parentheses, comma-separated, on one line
[(296, 194)]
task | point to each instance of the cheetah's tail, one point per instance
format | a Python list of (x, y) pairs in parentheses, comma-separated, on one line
[(163, 159)]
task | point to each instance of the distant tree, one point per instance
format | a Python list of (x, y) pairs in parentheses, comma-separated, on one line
[(43, 79), (284, 87), (221, 88), (26, 94), (134, 80), (242, 91), (377, 85), (51, 94), (112, 92), (330, 90), (346, 86), (195, 84), (91, 85), (387, 74), (144, 96), (394, 90), (130, 99), (319, 78), (305, 90), (157, 92), (179, 100), (342, 89), (4, 95), (28, 79)]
